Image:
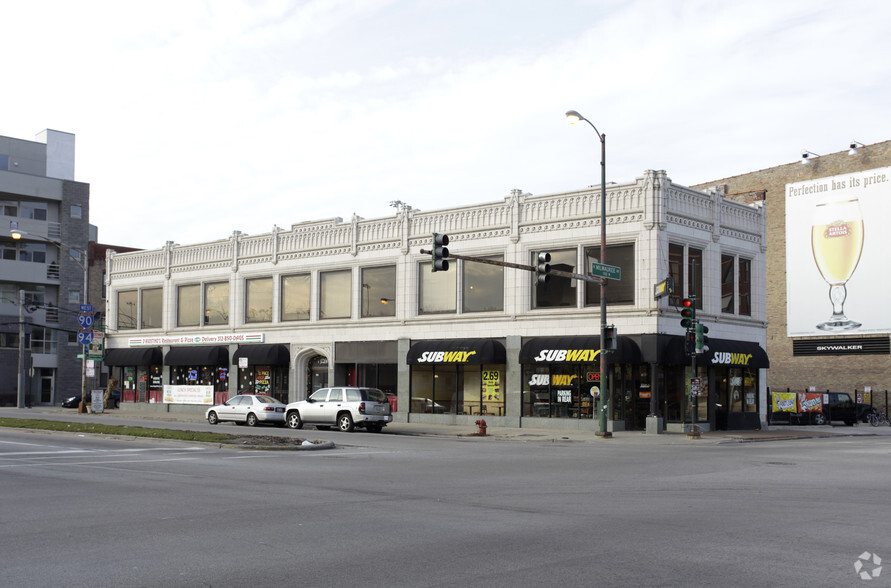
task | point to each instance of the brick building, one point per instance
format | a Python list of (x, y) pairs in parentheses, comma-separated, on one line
[(807, 349)]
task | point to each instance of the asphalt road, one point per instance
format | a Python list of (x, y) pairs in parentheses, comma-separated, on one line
[(387, 510)]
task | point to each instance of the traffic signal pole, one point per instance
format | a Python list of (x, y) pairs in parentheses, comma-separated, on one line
[(528, 268)]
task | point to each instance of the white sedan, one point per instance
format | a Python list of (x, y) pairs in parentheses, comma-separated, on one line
[(250, 409)]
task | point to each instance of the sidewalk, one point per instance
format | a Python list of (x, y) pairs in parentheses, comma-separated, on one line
[(778, 433)]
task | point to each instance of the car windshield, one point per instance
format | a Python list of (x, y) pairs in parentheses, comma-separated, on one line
[(374, 395), (266, 399)]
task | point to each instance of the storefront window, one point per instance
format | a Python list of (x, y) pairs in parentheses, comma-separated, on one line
[(127, 309), (216, 303), (258, 300), (745, 287), (727, 279), (437, 291), (150, 314), (379, 291), (618, 291), (483, 286), (188, 305), (334, 294), (295, 297), (560, 291), (560, 390), (742, 391)]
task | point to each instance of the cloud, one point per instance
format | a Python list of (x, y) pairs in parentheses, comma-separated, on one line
[(196, 119)]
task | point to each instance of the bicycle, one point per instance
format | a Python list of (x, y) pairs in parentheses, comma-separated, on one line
[(878, 417)]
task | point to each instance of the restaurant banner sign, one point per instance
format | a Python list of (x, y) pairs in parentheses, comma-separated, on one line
[(196, 339), (188, 395)]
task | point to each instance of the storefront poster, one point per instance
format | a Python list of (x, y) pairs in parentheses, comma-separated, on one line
[(188, 395), (810, 402), (783, 402), (262, 379), (491, 385), (836, 234)]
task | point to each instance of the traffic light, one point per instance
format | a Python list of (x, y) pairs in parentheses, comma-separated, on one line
[(439, 252), (690, 342), (609, 338), (688, 313), (701, 339), (542, 268)]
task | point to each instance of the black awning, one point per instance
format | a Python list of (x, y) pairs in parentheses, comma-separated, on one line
[(465, 351), (721, 352), (576, 350), (198, 355), (143, 356), (275, 354)]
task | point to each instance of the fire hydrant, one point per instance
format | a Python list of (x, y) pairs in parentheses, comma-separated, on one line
[(482, 425)]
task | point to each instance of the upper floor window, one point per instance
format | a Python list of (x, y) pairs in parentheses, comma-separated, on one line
[(4, 162), (258, 300), (437, 291), (188, 305), (728, 282), (689, 266), (76, 211), (379, 291), (482, 286), (33, 210), (9, 208), (216, 303), (295, 297), (23, 251), (127, 309), (560, 291), (617, 291), (334, 294), (745, 286), (151, 308)]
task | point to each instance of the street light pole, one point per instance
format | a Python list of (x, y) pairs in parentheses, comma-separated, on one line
[(85, 266), (605, 404)]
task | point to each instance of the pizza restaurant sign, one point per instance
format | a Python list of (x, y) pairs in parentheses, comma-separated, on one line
[(196, 339)]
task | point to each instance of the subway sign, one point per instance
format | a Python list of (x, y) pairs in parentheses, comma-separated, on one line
[(445, 356), (727, 358), (566, 355)]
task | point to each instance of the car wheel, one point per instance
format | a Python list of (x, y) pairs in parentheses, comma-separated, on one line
[(820, 419), (252, 420), (212, 418), (293, 420), (345, 422)]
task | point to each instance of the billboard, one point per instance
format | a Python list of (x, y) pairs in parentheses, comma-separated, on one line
[(836, 243)]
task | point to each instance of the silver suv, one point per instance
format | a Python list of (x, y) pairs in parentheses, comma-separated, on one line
[(345, 407)]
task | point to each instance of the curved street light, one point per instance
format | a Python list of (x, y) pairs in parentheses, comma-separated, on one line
[(81, 260), (605, 404)]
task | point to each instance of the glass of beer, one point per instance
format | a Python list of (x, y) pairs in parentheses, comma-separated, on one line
[(837, 241)]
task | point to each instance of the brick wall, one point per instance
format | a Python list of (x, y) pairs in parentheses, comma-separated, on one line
[(838, 373)]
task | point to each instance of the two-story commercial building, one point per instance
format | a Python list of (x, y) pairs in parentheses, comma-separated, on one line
[(355, 303)]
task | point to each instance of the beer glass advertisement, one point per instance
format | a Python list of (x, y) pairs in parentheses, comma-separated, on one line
[(837, 247)]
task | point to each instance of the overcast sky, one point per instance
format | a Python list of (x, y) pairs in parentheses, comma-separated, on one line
[(194, 119)]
